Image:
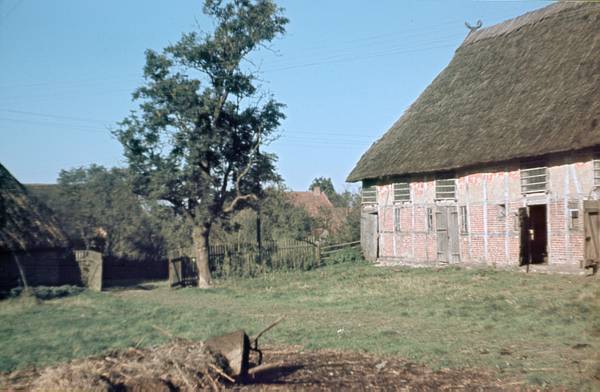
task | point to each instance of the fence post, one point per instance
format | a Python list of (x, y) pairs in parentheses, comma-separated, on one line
[(170, 272), (318, 255)]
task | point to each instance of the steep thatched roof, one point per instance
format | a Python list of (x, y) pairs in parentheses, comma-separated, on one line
[(24, 223), (311, 201), (524, 88)]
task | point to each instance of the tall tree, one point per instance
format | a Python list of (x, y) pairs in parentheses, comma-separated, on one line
[(193, 142), (97, 209)]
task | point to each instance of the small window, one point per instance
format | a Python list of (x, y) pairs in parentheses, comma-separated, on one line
[(401, 192), (464, 220), (397, 220), (445, 188), (596, 173), (369, 195), (430, 220), (534, 180), (501, 211), (573, 215)]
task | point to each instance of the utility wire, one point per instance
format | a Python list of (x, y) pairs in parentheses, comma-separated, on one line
[(54, 116)]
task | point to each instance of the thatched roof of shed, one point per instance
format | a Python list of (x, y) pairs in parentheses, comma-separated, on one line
[(311, 201), (524, 88), (25, 224)]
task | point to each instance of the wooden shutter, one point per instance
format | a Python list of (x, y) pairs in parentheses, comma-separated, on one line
[(441, 230), (592, 233)]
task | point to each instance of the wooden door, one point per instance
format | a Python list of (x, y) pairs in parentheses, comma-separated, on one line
[(441, 231), (369, 236), (591, 223), (453, 247), (525, 244), (446, 229)]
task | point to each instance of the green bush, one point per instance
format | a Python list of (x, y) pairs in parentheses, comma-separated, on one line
[(348, 255)]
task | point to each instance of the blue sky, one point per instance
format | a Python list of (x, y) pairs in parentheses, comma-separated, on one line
[(346, 71)]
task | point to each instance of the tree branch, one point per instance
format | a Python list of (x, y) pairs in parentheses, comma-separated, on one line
[(239, 197)]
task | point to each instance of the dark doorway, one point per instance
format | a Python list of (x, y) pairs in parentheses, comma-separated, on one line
[(534, 234)]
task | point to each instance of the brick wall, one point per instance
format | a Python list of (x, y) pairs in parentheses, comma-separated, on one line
[(491, 197)]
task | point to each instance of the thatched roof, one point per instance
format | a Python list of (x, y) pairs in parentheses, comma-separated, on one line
[(25, 224), (311, 201), (527, 87)]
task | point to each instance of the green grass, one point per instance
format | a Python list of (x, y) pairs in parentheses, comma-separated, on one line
[(524, 326)]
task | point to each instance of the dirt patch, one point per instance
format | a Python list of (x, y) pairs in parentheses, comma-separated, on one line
[(327, 370), (187, 366)]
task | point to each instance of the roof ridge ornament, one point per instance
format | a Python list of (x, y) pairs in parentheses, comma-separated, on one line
[(475, 27)]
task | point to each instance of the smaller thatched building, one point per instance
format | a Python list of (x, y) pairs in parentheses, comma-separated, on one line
[(498, 160), (318, 206), (31, 237)]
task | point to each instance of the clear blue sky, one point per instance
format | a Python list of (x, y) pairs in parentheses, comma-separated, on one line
[(346, 71)]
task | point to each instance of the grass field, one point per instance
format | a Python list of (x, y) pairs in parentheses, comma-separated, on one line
[(544, 329)]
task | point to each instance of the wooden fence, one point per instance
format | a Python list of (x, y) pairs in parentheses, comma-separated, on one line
[(330, 250), (249, 260), (246, 259), (183, 271)]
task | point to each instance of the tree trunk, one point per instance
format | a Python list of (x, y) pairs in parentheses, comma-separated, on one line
[(200, 238)]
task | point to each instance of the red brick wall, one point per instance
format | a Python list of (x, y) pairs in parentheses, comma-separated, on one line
[(493, 234)]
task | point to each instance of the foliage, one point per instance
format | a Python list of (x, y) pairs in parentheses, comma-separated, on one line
[(282, 220), (326, 186), (346, 255), (194, 141), (492, 320), (350, 229), (98, 210)]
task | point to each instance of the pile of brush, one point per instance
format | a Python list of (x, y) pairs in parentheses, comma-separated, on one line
[(180, 365)]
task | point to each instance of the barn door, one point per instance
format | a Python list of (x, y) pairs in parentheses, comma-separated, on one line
[(591, 219), (369, 236), (441, 231), (446, 229)]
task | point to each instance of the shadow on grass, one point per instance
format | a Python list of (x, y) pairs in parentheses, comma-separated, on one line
[(45, 292)]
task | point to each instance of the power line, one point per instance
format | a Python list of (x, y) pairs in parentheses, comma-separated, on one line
[(379, 51), (54, 116), (336, 52), (353, 59), (82, 128)]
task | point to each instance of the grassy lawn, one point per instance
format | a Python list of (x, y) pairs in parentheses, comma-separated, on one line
[(541, 328)]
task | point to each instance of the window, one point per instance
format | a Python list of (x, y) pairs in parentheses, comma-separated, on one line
[(430, 220), (464, 220), (597, 173), (369, 195), (534, 180), (397, 220), (501, 211), (573, 215), (401, 192), (445, 188)]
